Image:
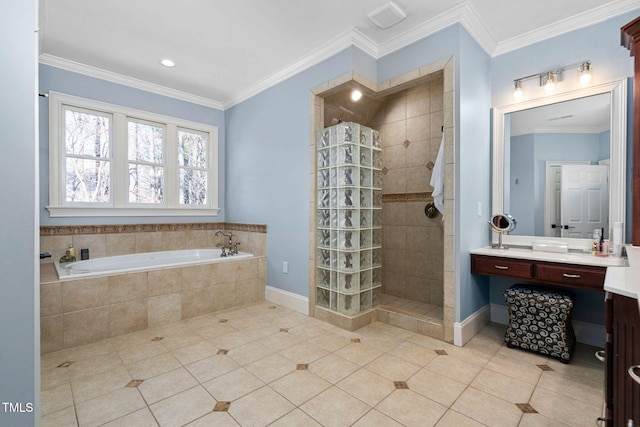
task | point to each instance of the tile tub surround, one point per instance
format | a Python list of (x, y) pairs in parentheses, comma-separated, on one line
[(263, 364), (78, 312), (116, 305)]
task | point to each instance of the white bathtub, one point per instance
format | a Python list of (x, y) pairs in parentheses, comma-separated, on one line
[(141, 262)]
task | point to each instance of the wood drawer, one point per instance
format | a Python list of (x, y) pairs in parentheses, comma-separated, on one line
[(579, 276), (498, 266)]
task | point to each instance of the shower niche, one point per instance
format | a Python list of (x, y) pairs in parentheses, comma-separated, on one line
[(349, 218)]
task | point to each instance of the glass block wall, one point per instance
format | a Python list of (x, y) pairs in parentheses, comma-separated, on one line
[(349, 218)]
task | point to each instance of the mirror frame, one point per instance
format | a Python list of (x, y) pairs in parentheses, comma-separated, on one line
[(617, 170)]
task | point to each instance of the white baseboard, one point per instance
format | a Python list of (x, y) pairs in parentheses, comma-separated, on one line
[(586, 333), (469, 327), (287, 299)]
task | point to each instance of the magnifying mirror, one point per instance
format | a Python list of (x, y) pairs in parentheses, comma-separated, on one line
[(502, 224)]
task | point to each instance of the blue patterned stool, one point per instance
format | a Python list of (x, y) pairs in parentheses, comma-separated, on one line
[(540, 320)]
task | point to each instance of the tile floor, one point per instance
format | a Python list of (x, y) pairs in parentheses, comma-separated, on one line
[(264, 365)]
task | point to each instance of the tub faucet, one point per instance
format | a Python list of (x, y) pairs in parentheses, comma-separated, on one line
[(229, 235)]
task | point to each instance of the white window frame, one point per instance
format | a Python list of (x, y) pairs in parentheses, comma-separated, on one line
[(119, 204)]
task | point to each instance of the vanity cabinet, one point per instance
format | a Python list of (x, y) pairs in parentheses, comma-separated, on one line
[(623, 351), (544, 272)]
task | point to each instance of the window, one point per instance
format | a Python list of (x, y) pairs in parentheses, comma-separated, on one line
[(107, 160)]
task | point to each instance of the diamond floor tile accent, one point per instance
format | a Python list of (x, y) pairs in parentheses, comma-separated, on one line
[(526, 408), (222, 351), (441, 352), (545, 367), (401, 385), (222, 406), (157, 339), (134, 383), (302, 367)]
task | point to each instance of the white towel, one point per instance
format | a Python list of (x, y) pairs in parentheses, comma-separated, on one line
[(437, 180)]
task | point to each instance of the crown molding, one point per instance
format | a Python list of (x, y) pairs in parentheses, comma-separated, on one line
[(99, 73), (585, 19), (347, 39), (478, 29), (463, 14)]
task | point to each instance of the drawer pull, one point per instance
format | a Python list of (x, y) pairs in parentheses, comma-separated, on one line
[(632, 373), (600, 355), (571, 276), (501, 267)]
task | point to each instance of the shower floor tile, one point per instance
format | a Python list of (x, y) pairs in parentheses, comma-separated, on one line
[(419, 310), (377, 375)]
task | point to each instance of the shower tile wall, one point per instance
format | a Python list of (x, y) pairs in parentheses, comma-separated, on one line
[(410, 124)]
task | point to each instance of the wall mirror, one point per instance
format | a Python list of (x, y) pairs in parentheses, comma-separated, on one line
[(559, 164)]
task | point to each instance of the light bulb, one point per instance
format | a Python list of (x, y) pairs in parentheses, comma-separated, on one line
[(585, 74), (167, 62), (550, 83), (518, 94), (356, 95)]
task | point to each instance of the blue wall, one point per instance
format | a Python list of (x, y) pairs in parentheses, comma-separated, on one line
[(604, 139), (473, 173), (268, 169), (67, 82), (19, 269)]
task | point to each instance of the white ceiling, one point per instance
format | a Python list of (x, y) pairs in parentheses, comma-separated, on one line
[(590, 114), (229, 50)]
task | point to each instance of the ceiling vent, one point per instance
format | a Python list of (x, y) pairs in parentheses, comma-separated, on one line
[(387, 15)]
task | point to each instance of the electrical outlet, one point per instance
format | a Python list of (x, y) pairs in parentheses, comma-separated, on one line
[(285, 267)]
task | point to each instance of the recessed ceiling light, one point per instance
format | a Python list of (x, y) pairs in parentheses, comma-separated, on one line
[(167, 62), (356, 95)]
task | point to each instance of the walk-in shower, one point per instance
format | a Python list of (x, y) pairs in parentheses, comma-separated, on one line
[(410, 279)]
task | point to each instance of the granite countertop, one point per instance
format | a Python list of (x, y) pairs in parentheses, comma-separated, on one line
[(578, 258), (626, 280)]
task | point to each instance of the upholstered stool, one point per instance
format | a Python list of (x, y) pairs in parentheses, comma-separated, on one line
[(540, 320)]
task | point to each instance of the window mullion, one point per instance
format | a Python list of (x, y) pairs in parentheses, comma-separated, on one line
[(172, 171), (120, 176)]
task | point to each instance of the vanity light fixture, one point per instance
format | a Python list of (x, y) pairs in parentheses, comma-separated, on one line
[(166, 62), (549, 79), (356, 95)]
